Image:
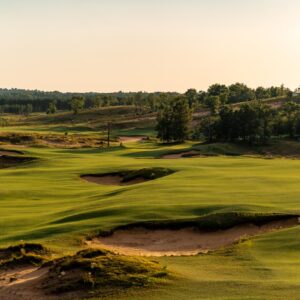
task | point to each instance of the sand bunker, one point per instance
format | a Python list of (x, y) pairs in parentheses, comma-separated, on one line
[(128, 177), (132, 138), (186, 241), (111, 179), (22, 283), (186, 154)]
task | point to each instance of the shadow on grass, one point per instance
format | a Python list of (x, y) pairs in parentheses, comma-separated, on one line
[(62, 129), (89, 150), (211, 222)]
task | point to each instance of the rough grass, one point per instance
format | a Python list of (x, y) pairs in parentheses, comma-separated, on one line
[(57, 140), (23, 254), (101, 272)]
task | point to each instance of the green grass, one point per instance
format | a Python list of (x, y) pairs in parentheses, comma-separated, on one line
[(46, 201)]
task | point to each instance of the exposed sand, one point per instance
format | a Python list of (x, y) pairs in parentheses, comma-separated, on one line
[(186, 154), (22, 284), (132, 138), (28, 283), (111, 180), (187, 241)]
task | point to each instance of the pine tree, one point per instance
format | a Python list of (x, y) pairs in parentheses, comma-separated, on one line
[(173, 122)]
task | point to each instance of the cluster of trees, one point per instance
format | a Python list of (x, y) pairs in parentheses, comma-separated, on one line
[(18, 109), (220, 94), (173, 121), (253, 122), (16, 100)]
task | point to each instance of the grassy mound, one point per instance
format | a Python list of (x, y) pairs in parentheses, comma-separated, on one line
[(101, 271), (23, 254)]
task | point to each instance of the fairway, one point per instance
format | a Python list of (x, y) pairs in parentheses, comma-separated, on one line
[(46, 201), (199, 186)]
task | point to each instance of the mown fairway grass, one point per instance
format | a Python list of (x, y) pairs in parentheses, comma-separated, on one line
[(46, 201)]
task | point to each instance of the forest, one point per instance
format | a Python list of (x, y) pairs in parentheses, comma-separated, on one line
[(19, 101)]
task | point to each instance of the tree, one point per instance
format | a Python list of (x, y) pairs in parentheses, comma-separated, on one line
[(77, 103), (291, 115), (220, 91), (164, 125), (252, 122), (239, 92), (207, 128), (138, 102), (96, 101), (213, 103), (28, 109), (151, 102), (192, 97), (262, 93), (227, 127), (181, 120), (52, 108), (217, 90), (201, 97), (173, 121)]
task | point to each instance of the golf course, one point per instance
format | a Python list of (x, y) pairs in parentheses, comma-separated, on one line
[(245, 203), (149, 150)]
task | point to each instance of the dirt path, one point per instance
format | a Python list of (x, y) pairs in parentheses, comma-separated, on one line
[(187, 241)]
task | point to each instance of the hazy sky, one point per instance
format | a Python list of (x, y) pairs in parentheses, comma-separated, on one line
[(130, 45)]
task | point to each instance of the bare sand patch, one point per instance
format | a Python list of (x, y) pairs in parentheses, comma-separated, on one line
[(132, 138), (187, 154), (182, 242), (128, 177), (23, 283)]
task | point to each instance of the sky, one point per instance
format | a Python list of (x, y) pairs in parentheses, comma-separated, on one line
[(148, 45)]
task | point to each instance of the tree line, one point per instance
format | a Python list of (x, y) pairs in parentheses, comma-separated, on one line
[(16, 100), (20, 101), (252, 122)]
